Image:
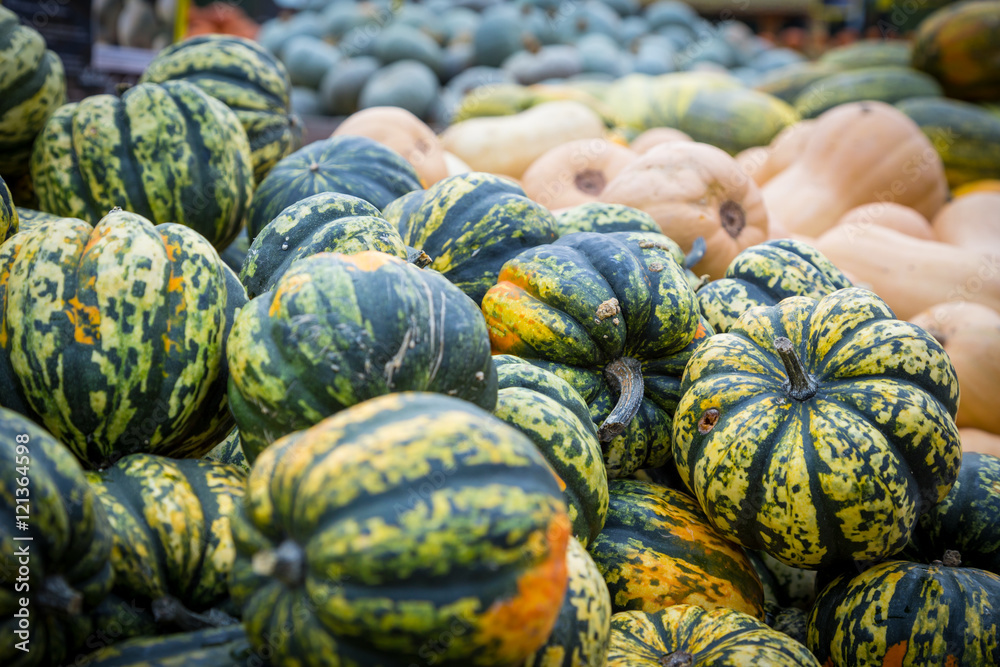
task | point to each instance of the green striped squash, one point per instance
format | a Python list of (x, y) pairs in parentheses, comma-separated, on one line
[(689, 635), (168, 152), (543, 406), (28, 218), (868, 53), (118, 619), (965, 520), (470, 224), (791, 621), (214, 647), (787, 83), (324, 222), (604, 218), (248, 79), (339, 329), (409, 528), (657, 549), (613, 315), (966, 136), (59, 559), (114, 336), (173, 545), (8, 213), (792, 587), (819, 430), (582, 630), (763, 275), (959, 45), (32, 86), (234, 254), (903, 613), (887, 83), (230, 451), (347, 164)]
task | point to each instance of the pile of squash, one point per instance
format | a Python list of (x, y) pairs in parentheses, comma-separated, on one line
[(641, 402)]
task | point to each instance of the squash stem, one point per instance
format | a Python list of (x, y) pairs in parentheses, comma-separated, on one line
[(951, 558), (625, 377), (58, 596), (677, 659), (287, 563), (171, 612), (800, 385)]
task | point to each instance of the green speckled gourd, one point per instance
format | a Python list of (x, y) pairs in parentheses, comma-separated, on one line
[(908, 614), (62, 567), (582, 631), (791, 621), (339, 329), (554, 416), (230, 451), (32, 86), (685, 635), (173, 545), (763, 275), (819, 430), (248, 79), (29, 217), (791, 587), (470, 224), (117, 620), (613, 315), (325, 222), (657, 549), (169, 152), (605, 218), (213, 647), (407, 527), (347, 164), (966, 520), (8, 213), (114, 336)]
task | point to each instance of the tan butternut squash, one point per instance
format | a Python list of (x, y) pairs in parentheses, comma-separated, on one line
[(762, 163), (912, 274), (656, 136), (976, 440), (694, 190), (970, 334), (507, 145), (894, 216), (855, 154), (984, 185), (404, 133), (574, 173), (971, 221)]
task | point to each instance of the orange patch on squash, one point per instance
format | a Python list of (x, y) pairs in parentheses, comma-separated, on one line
[(520, 625), (289, 285), (894, 655), (369, 260), (85, 320)]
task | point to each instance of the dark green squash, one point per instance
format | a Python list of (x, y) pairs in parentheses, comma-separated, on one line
[(966, 520), (884, 83), (657, 549), (763, 275), (230, 451), (791, 621), (168, 152), (325, 222), (582, 631), (819, 430), (8, 213), (604, 218), (903, 613), (613, 315), (554, 416), (347, 164), (32, 87), (117, 620), (114, 336), (685, 635), (408, 526), (57, 560), (339, 329), (470, 224), (246, 78), (173, 545), (213, 647)]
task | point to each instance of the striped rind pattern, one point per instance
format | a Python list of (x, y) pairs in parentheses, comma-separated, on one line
[(419, 516), (719, 637), (842, 475), (657, 549), (9, 220), (340, 329)]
